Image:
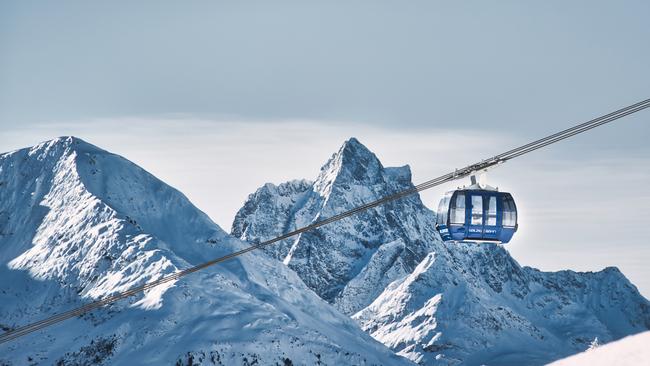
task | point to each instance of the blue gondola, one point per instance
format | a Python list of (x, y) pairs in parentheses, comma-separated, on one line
[(477, 214)]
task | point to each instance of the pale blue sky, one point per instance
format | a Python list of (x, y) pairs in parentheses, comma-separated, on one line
[(217, 98)]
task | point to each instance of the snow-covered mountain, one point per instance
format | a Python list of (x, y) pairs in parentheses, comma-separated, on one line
[(433, 302), (78, 223), (350, 262)]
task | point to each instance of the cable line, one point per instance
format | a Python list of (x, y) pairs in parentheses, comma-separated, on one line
[(457, 174)]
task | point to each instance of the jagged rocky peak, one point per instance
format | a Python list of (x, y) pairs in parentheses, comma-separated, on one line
[(352, 163), (79, 223), (274, 198), (334, 260), (270, 201)]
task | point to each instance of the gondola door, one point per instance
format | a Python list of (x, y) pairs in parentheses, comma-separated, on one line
[(491, 230), (475, 216)]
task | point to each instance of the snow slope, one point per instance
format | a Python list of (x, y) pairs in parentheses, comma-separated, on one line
[(629, 351), (78, 223), (433, 302)]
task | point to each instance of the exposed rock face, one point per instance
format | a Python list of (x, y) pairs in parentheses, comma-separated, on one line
[(433, 302), (78, 223), (350, 262)]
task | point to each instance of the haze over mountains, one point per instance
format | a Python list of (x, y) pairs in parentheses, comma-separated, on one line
[(432, 302)]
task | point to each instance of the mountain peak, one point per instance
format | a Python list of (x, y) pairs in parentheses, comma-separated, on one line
[(352, 150), (74, 143), (60, 146), (352, 163), (353, 141), (68, 139)]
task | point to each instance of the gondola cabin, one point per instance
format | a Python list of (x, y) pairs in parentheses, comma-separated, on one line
[(477, 215)]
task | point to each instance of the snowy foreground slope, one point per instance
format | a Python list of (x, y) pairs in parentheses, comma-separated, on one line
[(432, 302), (629, 351), (77, 223)]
